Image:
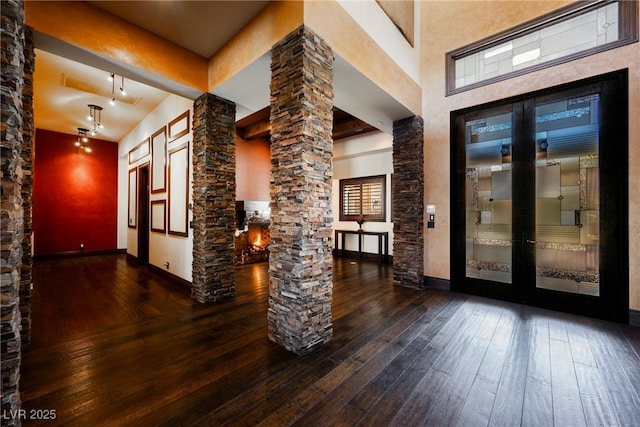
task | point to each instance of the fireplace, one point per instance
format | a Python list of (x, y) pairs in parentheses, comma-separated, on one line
[(252, 232)]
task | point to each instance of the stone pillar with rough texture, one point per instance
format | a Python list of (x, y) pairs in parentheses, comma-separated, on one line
[(11, 211), (408, 195), (300, 260), (214, 198), (28, 133)]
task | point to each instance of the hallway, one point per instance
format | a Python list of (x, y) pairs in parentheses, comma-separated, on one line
[(114, 344)]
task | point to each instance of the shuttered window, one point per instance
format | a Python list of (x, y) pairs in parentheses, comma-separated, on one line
[(363, 196)]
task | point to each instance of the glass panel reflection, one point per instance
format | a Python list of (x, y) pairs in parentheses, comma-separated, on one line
[(488, 198), (568, 196), (577, 34)]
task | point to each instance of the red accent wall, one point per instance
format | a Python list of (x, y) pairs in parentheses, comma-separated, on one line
[(75, 195)]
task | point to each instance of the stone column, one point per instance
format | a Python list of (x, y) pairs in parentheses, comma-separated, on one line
[(11, 212), (214, 198), (28, 132), (408, 200), (300, 261)]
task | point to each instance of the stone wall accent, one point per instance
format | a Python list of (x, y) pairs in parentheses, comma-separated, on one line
[(28, 133), (214, 198), (408, 200), (11, 212), (300, 262)]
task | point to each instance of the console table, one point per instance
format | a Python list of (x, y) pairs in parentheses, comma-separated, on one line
[(383, 242)]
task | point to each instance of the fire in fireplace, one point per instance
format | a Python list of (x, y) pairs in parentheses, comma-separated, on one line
[(252, 233), (258, 236)]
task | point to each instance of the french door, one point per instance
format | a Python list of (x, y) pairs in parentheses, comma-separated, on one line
[(539, 199)]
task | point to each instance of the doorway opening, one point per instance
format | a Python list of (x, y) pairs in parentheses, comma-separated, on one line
[(143, 214)]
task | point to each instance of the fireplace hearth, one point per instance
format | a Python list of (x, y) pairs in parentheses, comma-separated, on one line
[(252, 232)]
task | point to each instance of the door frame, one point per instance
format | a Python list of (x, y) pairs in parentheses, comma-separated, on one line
[(613, 302), (143, 214)]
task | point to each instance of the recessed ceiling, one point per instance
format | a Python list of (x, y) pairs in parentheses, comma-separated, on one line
[(68, 78), (63, 89), (210, 23)]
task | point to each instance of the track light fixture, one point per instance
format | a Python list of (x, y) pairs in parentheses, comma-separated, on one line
[(112, 79), (123, 91)]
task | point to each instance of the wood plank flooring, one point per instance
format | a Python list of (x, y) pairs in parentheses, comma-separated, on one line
[(116, 345)]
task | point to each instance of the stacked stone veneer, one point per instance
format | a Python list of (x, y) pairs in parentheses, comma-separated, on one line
[(11, 212), (408, 195), (214, 198), (28, 133), (300, 262)]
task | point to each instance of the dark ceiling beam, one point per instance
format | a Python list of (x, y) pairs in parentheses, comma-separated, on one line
[(257, 125), (350, 127), (260, 129)]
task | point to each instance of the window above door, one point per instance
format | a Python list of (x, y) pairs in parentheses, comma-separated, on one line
[(576, 31)]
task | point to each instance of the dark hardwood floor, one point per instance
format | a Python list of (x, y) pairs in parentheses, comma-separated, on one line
[(116, 345)]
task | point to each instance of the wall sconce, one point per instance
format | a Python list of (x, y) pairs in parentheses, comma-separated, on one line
[(83, 141), (95, 116)]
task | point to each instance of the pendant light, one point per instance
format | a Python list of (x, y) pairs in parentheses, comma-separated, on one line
[(95, 116), (83, 140)]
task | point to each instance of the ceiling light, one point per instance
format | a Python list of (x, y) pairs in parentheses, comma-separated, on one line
[(95, 116), (82, 142), (112, 78)]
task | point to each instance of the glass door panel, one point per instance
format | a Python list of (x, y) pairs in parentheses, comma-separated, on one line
[(488, 200), (539, 198), (567, 195)]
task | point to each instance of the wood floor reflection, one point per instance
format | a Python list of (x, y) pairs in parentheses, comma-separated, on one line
[(114, 344)]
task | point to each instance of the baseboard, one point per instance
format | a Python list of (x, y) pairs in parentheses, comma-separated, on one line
[(436, 283), (169, 276), (71, 254), (634, 317)]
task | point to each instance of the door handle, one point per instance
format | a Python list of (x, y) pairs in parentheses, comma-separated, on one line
[(531, 241)]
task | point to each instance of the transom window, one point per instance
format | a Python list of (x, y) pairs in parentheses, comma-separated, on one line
[(363, 197), (573, 32)]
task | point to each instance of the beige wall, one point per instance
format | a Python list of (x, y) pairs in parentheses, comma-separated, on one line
[(353, 44), (176, 250), (448, 25), (118, 40), (271, 25)]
